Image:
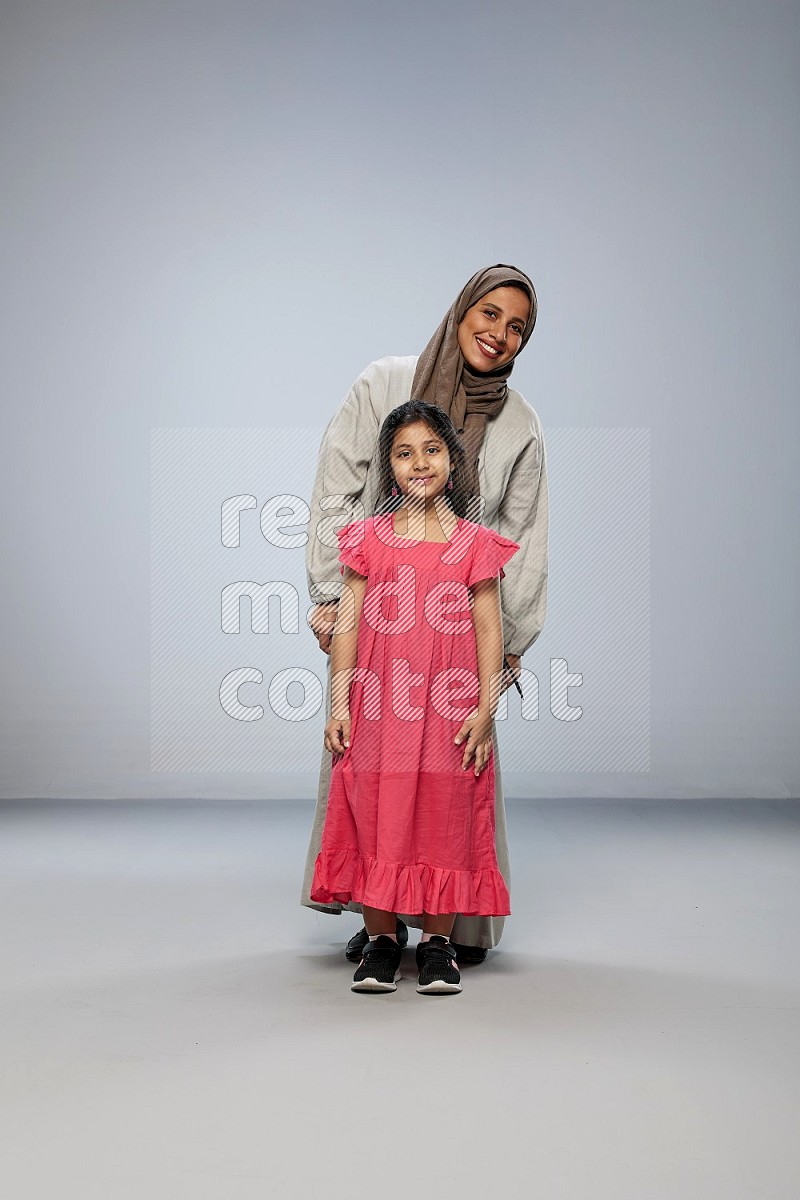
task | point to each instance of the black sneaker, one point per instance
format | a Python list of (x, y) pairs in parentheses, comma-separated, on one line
[(438, 973), (354, 950), (378, 970), (469, 954)]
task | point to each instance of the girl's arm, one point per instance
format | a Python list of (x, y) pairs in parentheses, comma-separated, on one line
[(488, 622), (344, 645)]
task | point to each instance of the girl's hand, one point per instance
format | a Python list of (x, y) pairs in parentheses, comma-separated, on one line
[(477, 730), (337, 735)]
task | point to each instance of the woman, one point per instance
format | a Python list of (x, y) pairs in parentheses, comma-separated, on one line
[(463, 370)]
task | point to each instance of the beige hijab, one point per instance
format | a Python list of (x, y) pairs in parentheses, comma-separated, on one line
[(470, 398)]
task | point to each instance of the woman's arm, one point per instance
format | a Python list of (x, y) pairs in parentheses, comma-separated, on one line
[(523, 517), (347, 448)]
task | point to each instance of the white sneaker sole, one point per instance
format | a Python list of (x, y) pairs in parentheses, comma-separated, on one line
[(438, 988), (374, 985)]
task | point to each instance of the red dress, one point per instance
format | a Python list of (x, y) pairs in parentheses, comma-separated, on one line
[(407, 830)]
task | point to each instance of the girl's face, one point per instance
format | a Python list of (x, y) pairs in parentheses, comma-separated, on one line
[(490, 333), (420, 461)]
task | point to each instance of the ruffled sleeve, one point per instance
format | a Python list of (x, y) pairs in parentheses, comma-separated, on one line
[(352, 539), (489, 553)]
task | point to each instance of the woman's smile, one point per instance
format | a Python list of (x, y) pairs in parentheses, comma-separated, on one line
[(485, 348)]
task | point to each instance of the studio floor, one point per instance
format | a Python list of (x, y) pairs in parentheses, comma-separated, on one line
[(174, 1024)]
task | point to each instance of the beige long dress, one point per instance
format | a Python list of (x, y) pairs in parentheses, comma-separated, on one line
[(513, 484)]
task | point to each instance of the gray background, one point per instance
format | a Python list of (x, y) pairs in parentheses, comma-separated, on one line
[(215, 216)]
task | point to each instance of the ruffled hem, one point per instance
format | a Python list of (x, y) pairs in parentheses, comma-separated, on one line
[(343, 876)]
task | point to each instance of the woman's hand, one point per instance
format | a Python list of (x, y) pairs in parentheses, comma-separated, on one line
[(477, 730), (321, 622), (515, 662), (337, 735)]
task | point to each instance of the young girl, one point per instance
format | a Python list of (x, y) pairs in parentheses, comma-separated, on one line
[(416, 675)]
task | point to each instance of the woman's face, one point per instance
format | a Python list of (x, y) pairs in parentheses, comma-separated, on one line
[(490, 333), (420, 461)]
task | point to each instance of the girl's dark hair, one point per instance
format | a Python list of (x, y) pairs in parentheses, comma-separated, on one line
[(440, 424)]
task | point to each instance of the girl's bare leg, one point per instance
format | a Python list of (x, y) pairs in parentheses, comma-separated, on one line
[(377, 921), (442, 923)]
